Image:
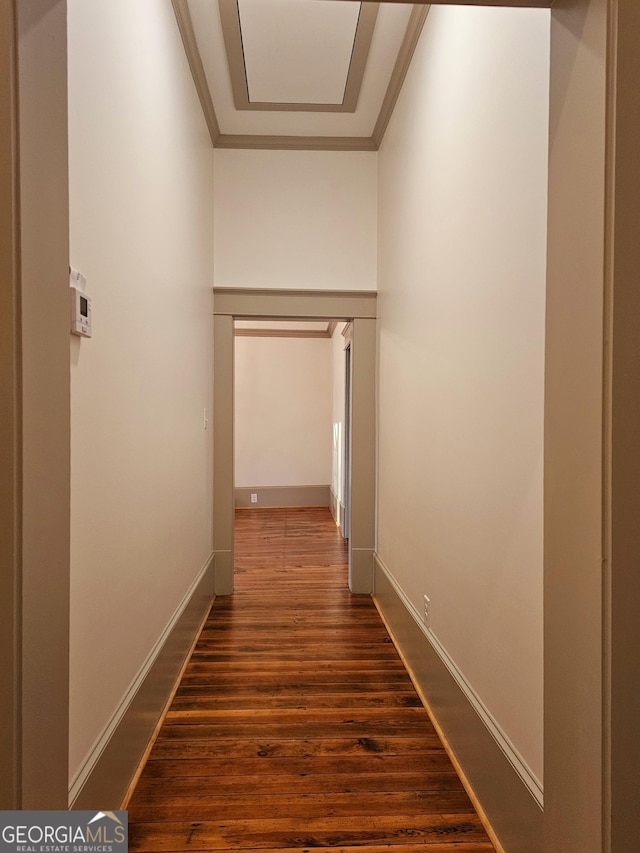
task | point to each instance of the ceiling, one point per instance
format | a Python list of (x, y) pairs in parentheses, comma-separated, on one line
[(310, 74)]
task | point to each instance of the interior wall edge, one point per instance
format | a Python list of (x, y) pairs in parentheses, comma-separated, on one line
[(223, 452), (575, 495), (337, 509), (10, 427), (362, 455), (103, 780), (504, 790), (223, 571), (622, 455), (45, 391), (361, 570)]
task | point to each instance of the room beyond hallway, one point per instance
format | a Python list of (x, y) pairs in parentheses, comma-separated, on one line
[(296, 725)]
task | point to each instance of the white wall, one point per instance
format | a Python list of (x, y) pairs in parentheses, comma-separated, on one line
[(461, 350), (295, 219), (283, 409), (141, 231)]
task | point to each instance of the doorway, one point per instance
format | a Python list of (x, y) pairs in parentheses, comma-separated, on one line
[(287, 408), (244, 304)]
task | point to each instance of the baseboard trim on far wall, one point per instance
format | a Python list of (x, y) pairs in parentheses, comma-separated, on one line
[(505, 791), (108, 770), (282, 496)]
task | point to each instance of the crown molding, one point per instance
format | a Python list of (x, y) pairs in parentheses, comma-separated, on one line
[(185, 25), (405, 55)]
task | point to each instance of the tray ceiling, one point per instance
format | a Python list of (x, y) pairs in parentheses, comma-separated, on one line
[(298, 73)]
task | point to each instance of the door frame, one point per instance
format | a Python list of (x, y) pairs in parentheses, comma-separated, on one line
[(35, 401), (346, 451), (10, 432), (359, 307)]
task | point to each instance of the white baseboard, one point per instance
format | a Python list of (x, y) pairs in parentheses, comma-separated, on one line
[(508, 792), (111, 763)]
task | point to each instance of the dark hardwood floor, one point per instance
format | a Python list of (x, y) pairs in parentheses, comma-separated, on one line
[(296, 725)]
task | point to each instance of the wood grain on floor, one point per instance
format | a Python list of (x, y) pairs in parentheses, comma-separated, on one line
[(295, 725)]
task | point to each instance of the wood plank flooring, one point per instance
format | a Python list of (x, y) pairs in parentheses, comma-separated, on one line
[(296, 725)]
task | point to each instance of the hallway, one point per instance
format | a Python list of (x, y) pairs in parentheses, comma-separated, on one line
[(296, 725)]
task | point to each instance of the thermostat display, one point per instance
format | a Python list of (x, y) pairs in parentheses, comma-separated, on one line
[(80, 313)]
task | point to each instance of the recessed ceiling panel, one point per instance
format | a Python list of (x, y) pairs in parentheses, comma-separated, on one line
[(297, 51)]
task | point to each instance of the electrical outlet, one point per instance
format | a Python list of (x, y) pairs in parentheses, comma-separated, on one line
[(427, 611), (254, 497)]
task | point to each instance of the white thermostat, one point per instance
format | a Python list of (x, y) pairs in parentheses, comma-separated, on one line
[(80, 305)]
